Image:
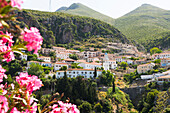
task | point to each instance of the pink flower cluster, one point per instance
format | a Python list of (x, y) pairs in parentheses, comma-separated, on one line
[(5, 47), (64, 108), (16, 3), (33, 38), (4, 104), (31, 83), (3, 3), (2, 73)]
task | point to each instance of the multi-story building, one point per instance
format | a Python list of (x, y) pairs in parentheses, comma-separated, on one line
[(165, 62), (59, 49), (62, 55), (92, 59), (87, 73), (73, 51), (112, 64), (58, 65), (145, 68), (161, 55), (45, 59), (48, 64), (47, 51), (87, 65), (119, 59)]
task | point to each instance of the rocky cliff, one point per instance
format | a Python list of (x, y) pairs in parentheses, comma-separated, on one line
[(60, 28)]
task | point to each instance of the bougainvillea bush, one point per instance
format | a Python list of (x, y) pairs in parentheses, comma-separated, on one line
[(18, 96)]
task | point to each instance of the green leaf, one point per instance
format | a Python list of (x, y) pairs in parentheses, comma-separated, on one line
[(5, 9), (23, 100), (4, 24)]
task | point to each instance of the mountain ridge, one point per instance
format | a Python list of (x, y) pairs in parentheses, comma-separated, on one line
[(82, 10)]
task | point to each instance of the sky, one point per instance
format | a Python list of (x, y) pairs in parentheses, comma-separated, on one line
[(112, 8)]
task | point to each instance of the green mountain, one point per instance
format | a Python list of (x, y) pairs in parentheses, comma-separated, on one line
[(82, 10), (70, 31), (147, 25)]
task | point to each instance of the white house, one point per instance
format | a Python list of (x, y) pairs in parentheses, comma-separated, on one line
[(45, 59), (162, 79), (112, 64), (146, 77), (73, 51), (48, 64), (87, 73), (92, 59), (87, 65), (62, 55), (145, 68), (23, 57), (58, 65), (119, 59), (59, 49), (161, 55), (165, 62), (128, 61)]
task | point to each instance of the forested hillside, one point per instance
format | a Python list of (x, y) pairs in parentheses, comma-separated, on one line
[(61, 28), (147, 25), (82, 10)]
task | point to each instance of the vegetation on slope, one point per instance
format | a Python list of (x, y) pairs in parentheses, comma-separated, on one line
[(60, 28), (147, 25), (82, 10)]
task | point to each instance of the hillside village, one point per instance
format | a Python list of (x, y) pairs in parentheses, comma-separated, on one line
[(85, 63)]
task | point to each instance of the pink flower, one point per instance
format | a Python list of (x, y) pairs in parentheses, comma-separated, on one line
[(16, 3), (8, 40), (64, 108), (8, 55), (2, 73), (33, 38), (3, 90), (31, 83), (12, 85), (14, 110), (3, 3), (0, 25), (3, 104)]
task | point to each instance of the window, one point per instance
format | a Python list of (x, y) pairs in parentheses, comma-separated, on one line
[(56, 65), (85, 72), (77, 72), (90, 72), (58, 73), (73, 72), (69, 72), (81, 72)]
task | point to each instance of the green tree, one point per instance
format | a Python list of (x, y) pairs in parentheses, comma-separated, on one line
[(95, 72), (63, 68), (73, 56), (157, 61), (155, 50), (36, 69), (124, 65), (85, 107), (98, 108)]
